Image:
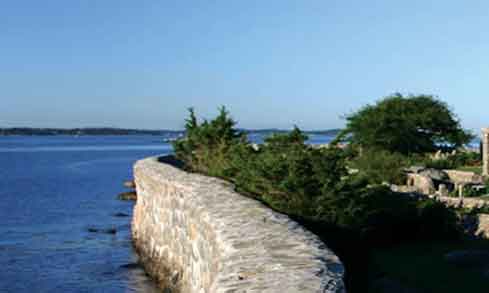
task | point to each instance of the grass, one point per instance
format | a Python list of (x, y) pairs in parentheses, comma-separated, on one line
[(475, 169), (422, 266)]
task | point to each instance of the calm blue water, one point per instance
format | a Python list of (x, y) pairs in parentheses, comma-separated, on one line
[(51, 190)]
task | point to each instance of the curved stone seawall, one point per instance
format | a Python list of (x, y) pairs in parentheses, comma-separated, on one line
[(196, 234)]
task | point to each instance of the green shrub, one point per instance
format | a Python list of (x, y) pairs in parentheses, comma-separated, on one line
[(454, 161), (469, 191), (467, 159), (441, 164), (206, 146), (313, 184), (289, 174), (382, 166)]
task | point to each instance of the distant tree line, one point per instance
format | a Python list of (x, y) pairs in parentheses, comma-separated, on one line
[(124, 131), (83, 131)]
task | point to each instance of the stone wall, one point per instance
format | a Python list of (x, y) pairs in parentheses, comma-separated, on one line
[(465, 202), (464, 177), (195, 234)]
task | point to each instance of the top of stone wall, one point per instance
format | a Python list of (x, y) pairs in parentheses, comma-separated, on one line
[(260, 250)]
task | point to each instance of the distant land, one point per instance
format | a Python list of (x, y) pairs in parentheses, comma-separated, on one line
[(125, 131), (331, 132)]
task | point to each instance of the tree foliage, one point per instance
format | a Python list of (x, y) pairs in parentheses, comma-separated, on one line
[(206, 145), (405, 124), (298, 179), (314, 186)]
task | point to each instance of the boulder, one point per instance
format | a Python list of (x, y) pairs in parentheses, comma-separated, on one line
[(131, 266), (130, 184), (120, 215), (438, 155), (102, 230), (421, 183), (435, 174), (464, 177), (483, 226), (443, 190), (415, 169), (130, 195)]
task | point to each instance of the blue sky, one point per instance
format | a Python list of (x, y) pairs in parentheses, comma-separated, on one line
[(129, 63)]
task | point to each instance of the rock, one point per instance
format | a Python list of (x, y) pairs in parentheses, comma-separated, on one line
[(483, 226), (105, 231), (414, 169), (130, 184), (468, 258), (464, 177), (130, 195), (130, 266), (442, 190), (438, 155), (120, 215), (435, 174), (421, 183)]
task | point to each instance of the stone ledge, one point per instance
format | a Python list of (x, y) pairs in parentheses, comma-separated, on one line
[(196, 234)]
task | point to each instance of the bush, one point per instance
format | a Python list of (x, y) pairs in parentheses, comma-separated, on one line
[(454, 161), (382, 166), (441, 164), (294, 178), (467, 159), (288, 174), (469, 191), (206, 146)]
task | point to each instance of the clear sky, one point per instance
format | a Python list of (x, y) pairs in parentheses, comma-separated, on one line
[(136, 63)]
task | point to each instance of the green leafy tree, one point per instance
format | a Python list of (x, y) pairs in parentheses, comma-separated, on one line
[(205, 147), (405, 124)]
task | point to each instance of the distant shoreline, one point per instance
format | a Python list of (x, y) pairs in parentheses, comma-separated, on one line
[(28, 131)]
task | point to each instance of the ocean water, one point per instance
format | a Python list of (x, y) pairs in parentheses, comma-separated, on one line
[(52, 189)]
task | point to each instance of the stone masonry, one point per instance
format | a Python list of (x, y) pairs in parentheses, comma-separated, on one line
[(196, 234), (485, 151)]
